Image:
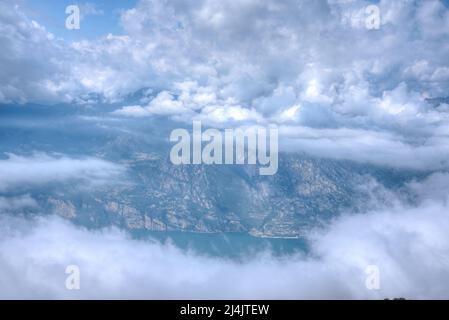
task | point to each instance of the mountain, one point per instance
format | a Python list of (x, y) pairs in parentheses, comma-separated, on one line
[(157, 195)]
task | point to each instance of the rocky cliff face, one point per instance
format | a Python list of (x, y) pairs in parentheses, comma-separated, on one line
[(201, 198), (157, 195)]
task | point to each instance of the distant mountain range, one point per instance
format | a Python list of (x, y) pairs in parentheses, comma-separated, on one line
[(157, 195)]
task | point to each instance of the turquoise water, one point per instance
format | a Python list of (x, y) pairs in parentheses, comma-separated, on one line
[(228, 245)]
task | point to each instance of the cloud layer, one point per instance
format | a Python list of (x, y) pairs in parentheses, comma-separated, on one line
[(408, 245), (39, 169), (299, 64), (334, 88)]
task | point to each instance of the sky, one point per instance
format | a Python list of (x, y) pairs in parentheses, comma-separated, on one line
[(99, 18), (313, 68), (335, 88)]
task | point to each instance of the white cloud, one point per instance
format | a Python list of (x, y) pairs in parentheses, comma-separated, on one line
[(41, 168), (8, 204), (169, 42), (132, 111), (434, 187), (207, 62), (192, 102), (228, 114), (409, 245), (29, 58), (366, 146)]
